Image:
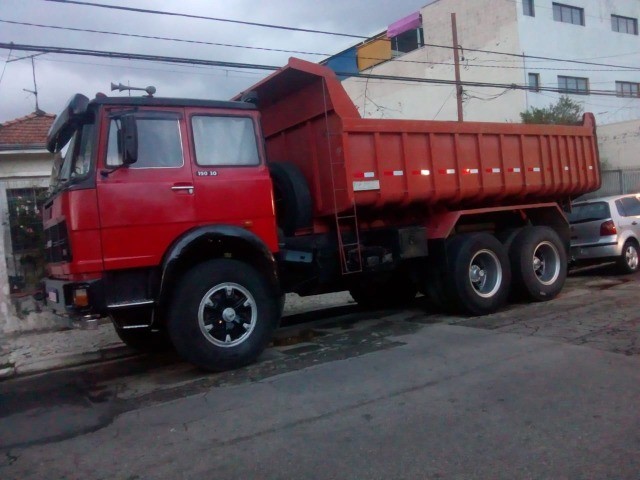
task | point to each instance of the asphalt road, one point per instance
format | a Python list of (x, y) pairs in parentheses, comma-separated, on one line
[(543, 391)]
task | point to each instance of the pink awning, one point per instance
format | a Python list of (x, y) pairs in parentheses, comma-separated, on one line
[(409, 22)]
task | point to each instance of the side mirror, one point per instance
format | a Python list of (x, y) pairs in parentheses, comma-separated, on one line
[(129, 139)]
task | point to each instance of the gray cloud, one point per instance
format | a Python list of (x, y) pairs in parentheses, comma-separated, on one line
[(60, 76)]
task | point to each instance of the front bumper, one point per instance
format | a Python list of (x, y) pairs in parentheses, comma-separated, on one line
[(59, 297)]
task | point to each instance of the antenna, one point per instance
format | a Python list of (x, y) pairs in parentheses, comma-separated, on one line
[(121, 88), (35, 85)]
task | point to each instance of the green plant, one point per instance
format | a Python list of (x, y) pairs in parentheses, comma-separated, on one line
[(564, 112)]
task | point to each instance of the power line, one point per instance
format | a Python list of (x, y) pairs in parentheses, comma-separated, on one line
[(202, 17), (154, 37), (217, 63), (158, 12)]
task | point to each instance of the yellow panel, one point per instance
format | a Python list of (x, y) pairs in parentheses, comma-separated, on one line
[(373, 53)]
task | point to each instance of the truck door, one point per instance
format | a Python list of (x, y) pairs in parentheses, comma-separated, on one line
[(231, 179), (148, 204)]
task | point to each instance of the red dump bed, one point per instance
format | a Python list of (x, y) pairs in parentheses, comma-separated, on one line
[(309, 120)]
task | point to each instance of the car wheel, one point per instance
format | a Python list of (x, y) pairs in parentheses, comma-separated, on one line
[(222, 315), (628, 261), (478, 273), (538, 263)]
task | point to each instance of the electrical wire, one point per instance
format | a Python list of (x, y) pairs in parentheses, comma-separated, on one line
[(251, 66), (154, 37), (158, 12), (202, 17), (200, 42)]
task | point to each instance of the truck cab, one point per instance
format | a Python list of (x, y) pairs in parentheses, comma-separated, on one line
[(145, 182)]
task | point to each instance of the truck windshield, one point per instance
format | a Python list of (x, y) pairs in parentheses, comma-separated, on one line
[(74, 160)]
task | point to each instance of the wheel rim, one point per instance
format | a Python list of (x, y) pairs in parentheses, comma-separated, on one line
[(631, 257), (546, 263), (485, 273), (227, 314)]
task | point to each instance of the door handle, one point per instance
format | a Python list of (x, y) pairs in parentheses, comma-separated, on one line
[(634, 223), (183, 187)]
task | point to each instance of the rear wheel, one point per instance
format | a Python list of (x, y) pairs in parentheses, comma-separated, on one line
[(222, 315), (538, 263), (478, 274), (628, 261)]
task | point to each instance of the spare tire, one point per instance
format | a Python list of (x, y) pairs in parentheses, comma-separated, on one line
[(292, 198)]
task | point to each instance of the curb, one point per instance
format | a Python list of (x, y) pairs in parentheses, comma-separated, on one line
[(11, 372)]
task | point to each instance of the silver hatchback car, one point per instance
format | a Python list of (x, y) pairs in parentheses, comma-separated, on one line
[(606, 228)]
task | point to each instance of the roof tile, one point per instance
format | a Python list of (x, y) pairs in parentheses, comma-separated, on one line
[(29, 131)]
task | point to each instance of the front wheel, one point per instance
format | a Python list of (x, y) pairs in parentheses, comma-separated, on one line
[(628, 261), (222, 315)]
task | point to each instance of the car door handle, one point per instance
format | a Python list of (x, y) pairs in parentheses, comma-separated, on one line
[(183, 187), (634, 223)]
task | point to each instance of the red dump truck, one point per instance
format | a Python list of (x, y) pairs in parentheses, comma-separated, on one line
[(186, 221)]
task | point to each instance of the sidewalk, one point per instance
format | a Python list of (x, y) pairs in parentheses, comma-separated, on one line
[(40, 351), (34, 352)]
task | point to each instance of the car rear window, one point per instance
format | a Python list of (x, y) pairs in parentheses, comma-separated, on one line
[(588, 212)]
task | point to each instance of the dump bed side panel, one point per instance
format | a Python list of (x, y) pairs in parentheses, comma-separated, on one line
[(309, 120), (472, 163)]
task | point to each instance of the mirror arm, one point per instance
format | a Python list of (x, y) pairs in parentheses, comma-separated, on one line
[(106, 172)]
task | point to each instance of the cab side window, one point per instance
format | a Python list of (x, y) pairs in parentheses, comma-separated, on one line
[(223, 141), (159, 144)]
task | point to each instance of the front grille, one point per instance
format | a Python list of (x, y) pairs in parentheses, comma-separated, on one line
[(57, 247)]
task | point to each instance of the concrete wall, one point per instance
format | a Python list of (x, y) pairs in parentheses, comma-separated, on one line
[(619, 144), (19, 170), (596, 42), (482, 24), (499, 25)]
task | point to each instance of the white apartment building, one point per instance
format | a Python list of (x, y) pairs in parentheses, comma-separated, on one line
[(498, 40)]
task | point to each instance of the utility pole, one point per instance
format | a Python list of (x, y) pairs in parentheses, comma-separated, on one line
[(456, 61)]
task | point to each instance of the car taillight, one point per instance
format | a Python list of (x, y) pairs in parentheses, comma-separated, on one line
[(608, 228)]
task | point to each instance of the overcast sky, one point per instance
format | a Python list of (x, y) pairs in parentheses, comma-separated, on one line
[(60, 76)]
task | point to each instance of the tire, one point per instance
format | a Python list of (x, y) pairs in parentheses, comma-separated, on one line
[(394, 292), (222, 315), (538, 263), (628, 261), (292, 198), (145, 340), (506, 237), (479, 275)]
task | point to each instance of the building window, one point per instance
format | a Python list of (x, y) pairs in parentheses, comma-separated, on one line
[(534, 82), (577, 85), (624, 24), (568, 14), (627, 89), (407, 41), (528, 8)]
